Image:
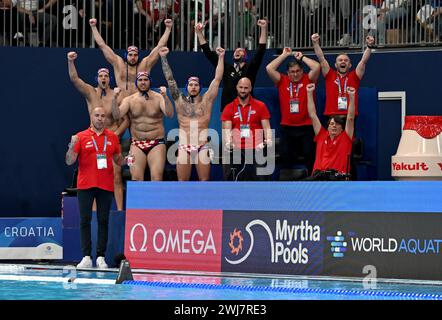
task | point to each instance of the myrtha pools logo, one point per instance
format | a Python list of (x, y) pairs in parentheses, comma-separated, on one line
[(338, 244), (288, 243)]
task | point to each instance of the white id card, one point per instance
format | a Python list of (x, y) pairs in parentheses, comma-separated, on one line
[(101, 161), (342, 103), (245, 131), (294, 106)]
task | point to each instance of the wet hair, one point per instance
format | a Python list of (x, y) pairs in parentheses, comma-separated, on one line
[(339, 119)]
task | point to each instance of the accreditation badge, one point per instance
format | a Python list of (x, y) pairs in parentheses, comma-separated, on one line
[(294, 105), (342, 103), (245, 131), (101, 161)]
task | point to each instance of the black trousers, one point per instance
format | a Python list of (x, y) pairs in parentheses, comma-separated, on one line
[(85, 201), (243, 165), (297, 143)]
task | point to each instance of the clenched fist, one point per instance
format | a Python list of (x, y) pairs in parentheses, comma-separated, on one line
[(311, 87), (163, 51), (72, 56)]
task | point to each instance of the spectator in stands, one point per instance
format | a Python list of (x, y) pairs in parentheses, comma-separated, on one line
[(333, 146), (241, 66), (150, 15), (296, 127), (68, 35), (8, 19), (316, 15), (200, 17), (194, 111), (33, 16), (344, 14), (95, 181), (436, 17), (246, 133), (146, 110), (390, 13), (337, 81), (126, 70), (102, 96)]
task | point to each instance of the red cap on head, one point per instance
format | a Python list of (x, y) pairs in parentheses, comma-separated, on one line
[(105, 70), (132, 48), (195, 79)]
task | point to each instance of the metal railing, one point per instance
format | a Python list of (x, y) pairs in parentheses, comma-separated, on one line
[(229, 23)]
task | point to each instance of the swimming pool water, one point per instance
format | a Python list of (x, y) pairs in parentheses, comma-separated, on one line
[(217, 288)]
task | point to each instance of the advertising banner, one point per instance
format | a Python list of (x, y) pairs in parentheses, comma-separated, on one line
[(31, 238), (174, 239), (392, 245), (273, 242)]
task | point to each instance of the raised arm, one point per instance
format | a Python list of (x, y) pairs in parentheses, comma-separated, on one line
[(313, 65), (71, 155), (121, 110), (212, 92), (48, 4), (312, 108), (360, 68), (325, 67), (263, 31), (166, 105), (84, 88), (255, 63), (350, 122), (272, 67), (167, 71), (148, 62), (210, 55), (108, 53)]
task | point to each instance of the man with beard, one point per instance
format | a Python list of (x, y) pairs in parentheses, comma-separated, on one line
[(101, 96), (246, 131), (334, 144), (126, 71), (296, 127), (240, 68), (337, 81), (146, 110), (96, 148), (193, 113)]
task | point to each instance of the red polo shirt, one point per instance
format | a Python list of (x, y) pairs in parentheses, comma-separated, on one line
[(258, 111), (298, 91), (332, 83), (89, 176), (332, 154)]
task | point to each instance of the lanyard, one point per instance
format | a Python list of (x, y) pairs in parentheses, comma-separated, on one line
[(296, 90), (105, 144), (240, 115), (339, 85)]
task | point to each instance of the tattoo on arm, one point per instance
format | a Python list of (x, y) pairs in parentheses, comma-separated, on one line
[(71, 156), (173, 87), (115, 109)]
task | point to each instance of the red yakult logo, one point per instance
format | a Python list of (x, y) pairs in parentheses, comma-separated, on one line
[(174, 239), (417, 166)]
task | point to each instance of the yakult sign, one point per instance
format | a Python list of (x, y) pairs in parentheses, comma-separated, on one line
[(174, 239)]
